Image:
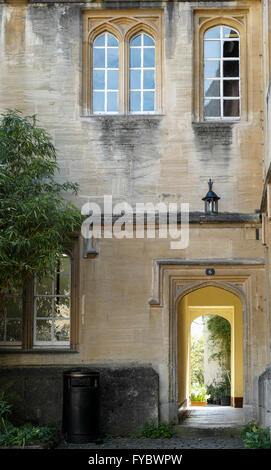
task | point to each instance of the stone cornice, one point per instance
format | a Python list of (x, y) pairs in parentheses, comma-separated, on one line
[(202, 218)]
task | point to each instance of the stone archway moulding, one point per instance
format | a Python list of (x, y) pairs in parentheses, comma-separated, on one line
[(172, 279), (162, 266)]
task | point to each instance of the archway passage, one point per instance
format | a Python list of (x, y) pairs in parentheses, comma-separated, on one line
[(200, 302)]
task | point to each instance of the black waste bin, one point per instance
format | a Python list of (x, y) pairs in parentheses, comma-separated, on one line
[(81, 406)]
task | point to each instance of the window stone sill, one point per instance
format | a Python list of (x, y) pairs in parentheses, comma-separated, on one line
[(217, 123), (38, 351), (122, 116)]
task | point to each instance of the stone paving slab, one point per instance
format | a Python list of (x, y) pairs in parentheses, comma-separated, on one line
[(194, 431), (172, 443), (211, 427), (214, 416)]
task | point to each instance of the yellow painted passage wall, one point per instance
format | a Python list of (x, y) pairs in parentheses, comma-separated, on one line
[(220, 302)]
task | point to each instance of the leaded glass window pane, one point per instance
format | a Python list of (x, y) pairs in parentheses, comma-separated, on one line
[(11, 320), (221, 73), (52, 306), (142, 74), (105, 74)]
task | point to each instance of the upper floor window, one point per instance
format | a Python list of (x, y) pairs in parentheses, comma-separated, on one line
[(105, 74), (122, 62), (221, 73), (142, 74)]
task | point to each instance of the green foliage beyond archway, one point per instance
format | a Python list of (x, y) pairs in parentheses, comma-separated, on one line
[(197, 360), (36, 219), (220, 337)]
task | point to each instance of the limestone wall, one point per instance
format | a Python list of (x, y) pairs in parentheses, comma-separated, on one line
[(118, 326), (136, 158), (150, 158), (264, 398)]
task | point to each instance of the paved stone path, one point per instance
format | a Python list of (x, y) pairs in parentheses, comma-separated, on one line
[(214, 416), (173, 443), (207, 420)]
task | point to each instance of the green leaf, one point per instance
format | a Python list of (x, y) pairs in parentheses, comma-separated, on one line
[(35, 218)]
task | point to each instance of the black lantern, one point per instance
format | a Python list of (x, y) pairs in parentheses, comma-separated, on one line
[(211, 200)]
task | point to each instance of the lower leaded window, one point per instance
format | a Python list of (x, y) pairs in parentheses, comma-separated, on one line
[(52, 298), (11, 321), (41, 318)]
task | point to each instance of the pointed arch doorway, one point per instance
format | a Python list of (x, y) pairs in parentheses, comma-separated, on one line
[(202, 301)]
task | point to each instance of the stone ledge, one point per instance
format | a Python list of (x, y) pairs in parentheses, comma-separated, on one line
[(233, 217), (123, 3), (121, 116), (200, 217), (211, 261), (37, 351), (215, 123)]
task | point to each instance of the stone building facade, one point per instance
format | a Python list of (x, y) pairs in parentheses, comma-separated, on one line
[(159, 135)]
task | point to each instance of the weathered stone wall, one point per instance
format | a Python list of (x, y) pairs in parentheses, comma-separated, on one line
[(265, 398), (136, 158), (117, 325), (166, 157), (129, 397)]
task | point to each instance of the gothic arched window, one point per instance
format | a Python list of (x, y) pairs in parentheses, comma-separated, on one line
[(142, 74), (105, 92), (221, 73), (122, 60)]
